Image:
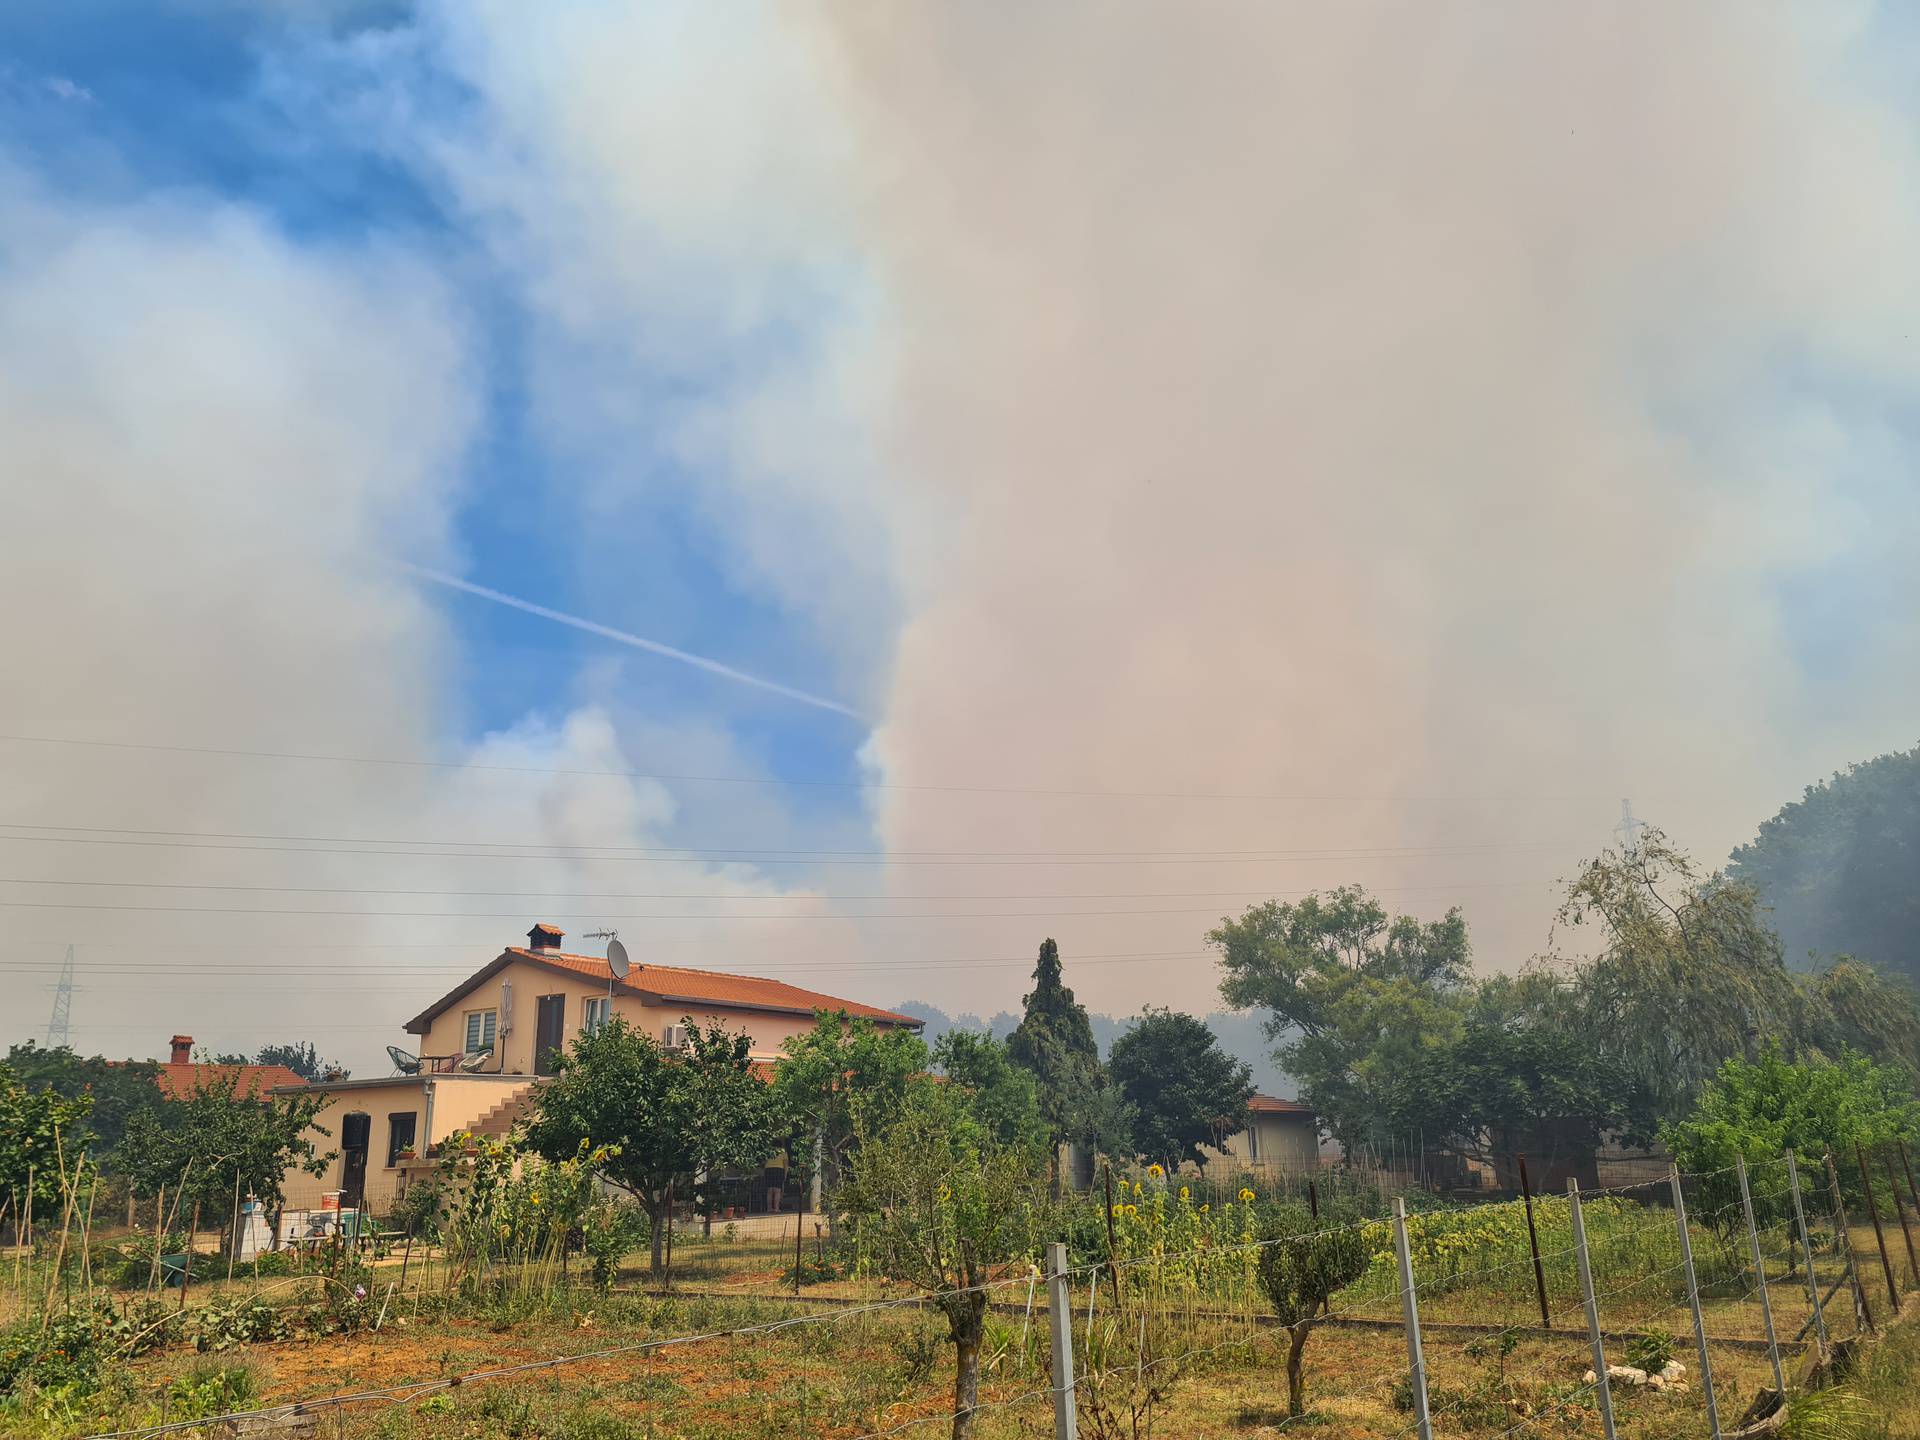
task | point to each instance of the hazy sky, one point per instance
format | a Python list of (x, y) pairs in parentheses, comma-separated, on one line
[(1151, 460)]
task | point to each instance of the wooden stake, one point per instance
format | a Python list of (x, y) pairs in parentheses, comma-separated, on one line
[(1900, 1209), (186, 1273), (1862, 1312), (1533, 1243), (159, 1237), (1113, 1249), (1873, 1212)]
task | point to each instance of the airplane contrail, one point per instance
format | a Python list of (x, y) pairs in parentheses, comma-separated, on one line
[(638, 642)]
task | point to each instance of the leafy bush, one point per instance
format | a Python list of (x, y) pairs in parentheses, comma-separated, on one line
[(239, 1321), (1650, 1352), (609, 1231), (209, 1390)]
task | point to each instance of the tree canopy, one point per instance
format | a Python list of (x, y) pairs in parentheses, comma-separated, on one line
[(215, 1139), (844, 1072), (116, 1089), (1182, 1090), (1837, 866), (1001, 1096), (1352, 996), (42, 1133), (658, 1117), (1054, 1042)]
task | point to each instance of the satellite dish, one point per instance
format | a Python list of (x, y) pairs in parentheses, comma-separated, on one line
[(617, 959)]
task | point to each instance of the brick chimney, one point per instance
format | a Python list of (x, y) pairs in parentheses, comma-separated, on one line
[(545, 937), (182, 1049)]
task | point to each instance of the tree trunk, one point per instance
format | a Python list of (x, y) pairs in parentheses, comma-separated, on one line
[(967, 1331), (656, 1216), (1296, 1344)]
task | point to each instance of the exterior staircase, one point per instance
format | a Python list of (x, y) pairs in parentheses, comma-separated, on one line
[(503, 1117)]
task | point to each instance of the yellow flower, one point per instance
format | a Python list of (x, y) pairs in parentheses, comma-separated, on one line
[(1155, 1171), (1136, 1187), (1204, 1207), (1185, 1193), (1246, 1195), (1133, 1209), (1119, 1209)]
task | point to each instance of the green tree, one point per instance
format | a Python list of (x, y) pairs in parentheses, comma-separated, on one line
[(1306, 1261), (1758, 1109), (1520, 1077), (42, 1134), (657, 1118), (1182, 1089), (1353, 997), (217, 1140), (1688, 972), (1837, 865), (1850, 1005), (1001, 1095), (117, 1089), (938, 1204), (303, 1059), (1054, 1043), (843, 1070)]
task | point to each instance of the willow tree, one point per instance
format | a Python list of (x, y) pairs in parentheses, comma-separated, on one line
[(1687, 973)]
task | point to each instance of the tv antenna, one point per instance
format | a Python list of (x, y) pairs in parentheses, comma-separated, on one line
[(617, 963)]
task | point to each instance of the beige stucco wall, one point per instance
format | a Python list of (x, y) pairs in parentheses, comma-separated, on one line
[(1287, 1143), (457, 1103), (514, 1053)]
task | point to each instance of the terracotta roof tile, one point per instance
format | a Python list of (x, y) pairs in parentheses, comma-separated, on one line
[(673, 984), (179, 1081)]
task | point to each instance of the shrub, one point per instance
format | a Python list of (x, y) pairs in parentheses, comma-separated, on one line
[(1650, 1352)]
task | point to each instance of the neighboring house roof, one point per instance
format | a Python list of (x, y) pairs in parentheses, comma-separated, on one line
[(1274, 1105), (669, 985), (179, 1081)]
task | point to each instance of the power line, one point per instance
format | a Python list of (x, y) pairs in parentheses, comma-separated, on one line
[(641, 915), (569, 851), (790, 897), (769, 858), (781, 780)]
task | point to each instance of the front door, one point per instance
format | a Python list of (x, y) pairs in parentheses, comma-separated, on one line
[(549, 1032), (355, 1132)]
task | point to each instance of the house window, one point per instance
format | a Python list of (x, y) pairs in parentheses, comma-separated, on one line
[(480, 1028), (599, 1011), (1253, 1141), (399, 1136)]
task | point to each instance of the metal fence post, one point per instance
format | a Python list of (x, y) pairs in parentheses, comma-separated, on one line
[(1760, 1276), (1533, 1242), (1066, 1424), (1602, 1389), (1416, 1357), (1693, 1299), (1862, 1314), (1806, 1251)]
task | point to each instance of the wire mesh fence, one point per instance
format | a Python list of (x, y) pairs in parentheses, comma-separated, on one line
[(1650, 1308)]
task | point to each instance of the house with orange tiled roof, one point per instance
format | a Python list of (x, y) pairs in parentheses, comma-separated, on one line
[(479, 1051), (182, 1075)]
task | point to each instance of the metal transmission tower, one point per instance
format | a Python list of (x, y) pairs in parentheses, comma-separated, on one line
[(59, 1031), (1629, 828)]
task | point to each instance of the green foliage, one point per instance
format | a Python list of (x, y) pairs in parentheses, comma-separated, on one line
[(504, 1206), (935, 1202), (1837, 865), (1651, 1351), (1309, 1261), (844, 1075), (1758, 1109), (1182, 1090), (42, 1137), (1688, 972), (117, 1089), (1054, 1043), (209, 1390), (651, 1119), (1850, 1005), (1354, 997), (303, 1059), (198, 1146), (1518, 1077), (1001, 1095), (609, 1231)]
